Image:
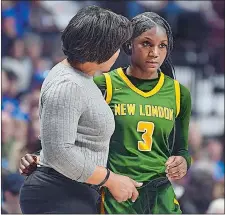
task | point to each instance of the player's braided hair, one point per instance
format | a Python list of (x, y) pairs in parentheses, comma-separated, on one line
[(94, 35), (146, 21)]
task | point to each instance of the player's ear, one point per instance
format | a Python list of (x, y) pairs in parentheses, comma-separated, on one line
[(127, 48)]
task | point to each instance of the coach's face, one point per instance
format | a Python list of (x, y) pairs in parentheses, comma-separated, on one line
[(106, 66)]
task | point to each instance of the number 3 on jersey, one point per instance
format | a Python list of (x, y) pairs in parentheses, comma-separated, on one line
[(147, 128)]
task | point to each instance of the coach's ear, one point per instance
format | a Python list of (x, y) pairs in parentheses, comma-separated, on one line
[(127, 48)]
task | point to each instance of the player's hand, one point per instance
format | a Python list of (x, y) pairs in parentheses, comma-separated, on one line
[(122, 187), (176, 167), (28, 164)]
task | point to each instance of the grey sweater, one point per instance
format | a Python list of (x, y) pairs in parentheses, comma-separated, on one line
[(76, 123)]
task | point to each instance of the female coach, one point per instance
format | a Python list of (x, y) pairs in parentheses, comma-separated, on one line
[(76, 122)]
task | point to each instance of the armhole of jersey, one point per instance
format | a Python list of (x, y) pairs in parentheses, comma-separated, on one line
[(108, 87), (177, 93)]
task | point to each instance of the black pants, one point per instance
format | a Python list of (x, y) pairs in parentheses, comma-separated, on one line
[(47, 191)]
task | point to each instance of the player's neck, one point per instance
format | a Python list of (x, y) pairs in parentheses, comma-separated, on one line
[(140, 74)]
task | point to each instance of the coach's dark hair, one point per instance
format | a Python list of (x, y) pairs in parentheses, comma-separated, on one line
[(94, 35), (145, 21)]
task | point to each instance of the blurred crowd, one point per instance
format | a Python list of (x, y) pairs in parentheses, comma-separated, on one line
[(31, 46)]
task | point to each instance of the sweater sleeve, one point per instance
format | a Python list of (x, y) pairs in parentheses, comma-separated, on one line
[(61, 108), (101, 83), (182, 126)]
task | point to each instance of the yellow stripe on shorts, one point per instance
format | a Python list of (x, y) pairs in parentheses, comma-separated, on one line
[(102, 208)]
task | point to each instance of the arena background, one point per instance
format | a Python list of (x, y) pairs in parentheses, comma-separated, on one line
[(31, 46)]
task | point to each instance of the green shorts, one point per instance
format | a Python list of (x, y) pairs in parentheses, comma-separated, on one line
[(151, 200)]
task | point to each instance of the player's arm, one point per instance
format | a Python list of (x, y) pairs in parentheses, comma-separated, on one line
[(178, 164), (182, 126)]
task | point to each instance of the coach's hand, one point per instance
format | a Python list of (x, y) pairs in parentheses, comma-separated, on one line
[(122, 187), (28, 164), (176, 167)]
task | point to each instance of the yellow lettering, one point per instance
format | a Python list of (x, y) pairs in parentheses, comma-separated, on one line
[(155, 111), (117, 109), (131, 109), (148, 110), (171, 114), (166, 113), (161, 112), (141, 110), (123, 108)]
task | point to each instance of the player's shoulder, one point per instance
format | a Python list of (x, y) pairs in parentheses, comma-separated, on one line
[(100, 79), (114, 72), (185, 92)]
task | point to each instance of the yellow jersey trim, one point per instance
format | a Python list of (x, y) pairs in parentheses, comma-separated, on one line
[(175, 202), (177, 92), (108, 87), (140, 92), (102, 208)]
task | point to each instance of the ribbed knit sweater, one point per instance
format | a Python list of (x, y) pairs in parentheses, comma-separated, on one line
[(76, 123)]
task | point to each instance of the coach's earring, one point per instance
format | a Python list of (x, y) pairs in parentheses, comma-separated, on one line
[(129, 47)]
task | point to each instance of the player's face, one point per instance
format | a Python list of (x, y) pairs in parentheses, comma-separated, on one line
[(149, 49), (106, 66)]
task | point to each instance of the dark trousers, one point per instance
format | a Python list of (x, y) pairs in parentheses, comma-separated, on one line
[(47, 191)]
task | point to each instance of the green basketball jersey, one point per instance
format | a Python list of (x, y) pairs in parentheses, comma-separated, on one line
[(144, 120)]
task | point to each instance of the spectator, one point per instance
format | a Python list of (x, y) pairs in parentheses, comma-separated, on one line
[(19, 63), (218, 190), (15, 22), (11, 185), (195, 141), (14, 138), (7, 134), (10, 86), (216, 206), (8, 33), (199, 189), (214, 151)]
